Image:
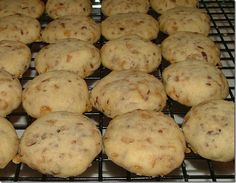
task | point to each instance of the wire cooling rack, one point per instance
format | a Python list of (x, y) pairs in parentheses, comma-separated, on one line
[(194, 167)]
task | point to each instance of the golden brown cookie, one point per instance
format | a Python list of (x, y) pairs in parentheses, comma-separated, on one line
[(191, 82), (124, 91), (8, 142), (209, 130), (55, 91), (145, 142), (69, 54), (131, 52), (139, 24), (60, 8), (61, 144), (72, 26), (184, 19), (113, 7)]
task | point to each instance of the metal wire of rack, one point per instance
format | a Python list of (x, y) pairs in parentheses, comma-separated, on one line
[(194, 167)]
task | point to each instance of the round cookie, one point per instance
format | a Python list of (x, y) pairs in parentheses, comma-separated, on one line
[(162, 5), (69, 54), (72, 26), (55, 91), (191, 82), (31, 8), (188, 45), (8, 142), (139, 24), (61, 144), (145, 142), (59, 8), (184, 19), (209, 130), (131, 52), (113, 7), (124, 91), (19, 28), (10, 93), (15, 57)]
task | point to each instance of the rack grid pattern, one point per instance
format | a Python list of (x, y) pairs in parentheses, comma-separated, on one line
[(194, 167)]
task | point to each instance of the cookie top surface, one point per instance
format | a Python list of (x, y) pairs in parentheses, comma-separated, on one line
[(124, 91), (139, 24), (192, 82), (8, 142), (188, 45), (15, 57), (61, 144), (162, 5), (72, 26), (59, 8), (31, 8), (149, 136), (10, 93), (113, 7), (131, 52), (209, 130), (19, 28), (70, 54), (55, 91), (184, 19)]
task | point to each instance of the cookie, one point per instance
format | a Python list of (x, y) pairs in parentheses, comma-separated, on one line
[(145, 135), (184, 19), (15, 57), (209, 130), (61, 144), (113, 7), (162, 5), (74, 26), (10, 93), (69, 54), (32, 8), (19, 28), (59, 8), (8, 142), (124, 91), (132, 53), (191, 82), (55, 91), (139, 24), (188, 45)]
